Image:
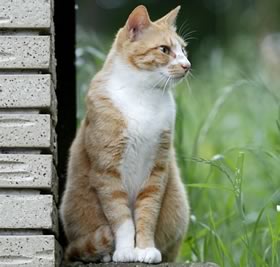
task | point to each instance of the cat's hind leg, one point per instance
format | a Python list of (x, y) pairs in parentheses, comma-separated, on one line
[(87, 230), (174, 216), (171, 253), (93, 247)]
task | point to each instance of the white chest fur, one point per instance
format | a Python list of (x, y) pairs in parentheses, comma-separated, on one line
[(148, 112)]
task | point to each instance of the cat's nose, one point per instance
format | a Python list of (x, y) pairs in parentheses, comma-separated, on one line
[(186, 66)]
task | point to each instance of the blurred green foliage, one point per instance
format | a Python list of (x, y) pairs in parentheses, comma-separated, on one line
[(227, 133)]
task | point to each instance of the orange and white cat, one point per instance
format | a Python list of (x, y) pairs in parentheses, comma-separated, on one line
[(124, 199)]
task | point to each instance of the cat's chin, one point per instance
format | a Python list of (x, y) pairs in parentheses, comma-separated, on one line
[(175, 78), (178, 77), (169, 82)]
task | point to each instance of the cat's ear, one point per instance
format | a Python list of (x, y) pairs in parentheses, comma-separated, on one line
[(170, 18), (137, 21)]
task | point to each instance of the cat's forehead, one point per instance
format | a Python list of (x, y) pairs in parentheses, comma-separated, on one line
[(173, 40), (176, 40), (169, 33), (164, 36)]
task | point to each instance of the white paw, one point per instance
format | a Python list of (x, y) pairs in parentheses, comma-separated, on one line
[(106, 258), (125, 255), (148, 255)]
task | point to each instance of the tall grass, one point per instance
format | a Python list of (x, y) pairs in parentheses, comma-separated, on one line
[(228, 144)]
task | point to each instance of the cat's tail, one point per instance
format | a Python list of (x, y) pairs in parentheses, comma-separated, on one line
[(93, 247)]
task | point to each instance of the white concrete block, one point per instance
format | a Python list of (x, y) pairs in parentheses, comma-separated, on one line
[(29, 251), (27, 211), (25, 14), (27, 171), (25, 130), (24, 52), (25, 91)]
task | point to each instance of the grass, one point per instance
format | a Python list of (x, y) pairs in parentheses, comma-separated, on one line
[(228, 144)]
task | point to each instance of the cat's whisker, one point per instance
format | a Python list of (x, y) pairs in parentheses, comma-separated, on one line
[(158, 82), (173, 83), (187, 36), (191, 74), (188, 33), (188, 85), (184, 27), (166, 84), (188, 39), (181, 27), (185, 31)]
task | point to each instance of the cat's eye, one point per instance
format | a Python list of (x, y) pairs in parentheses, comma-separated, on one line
[(184, 51), (164, 49)]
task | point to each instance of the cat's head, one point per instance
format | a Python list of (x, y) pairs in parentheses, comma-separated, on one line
[(153, 47)]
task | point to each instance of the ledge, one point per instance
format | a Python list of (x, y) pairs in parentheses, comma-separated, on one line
[(79, 264)]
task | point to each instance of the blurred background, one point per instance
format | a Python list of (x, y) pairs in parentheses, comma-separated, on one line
[(228, 118)]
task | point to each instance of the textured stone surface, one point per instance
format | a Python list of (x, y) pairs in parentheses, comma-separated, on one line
[(198, 264), (27, 211), (25, 91), (27, 171), (29, 251), (25, 215), (25, 130), (25, 13), (24, 52)]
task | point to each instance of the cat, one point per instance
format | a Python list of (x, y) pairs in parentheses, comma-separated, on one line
[(124, 199)]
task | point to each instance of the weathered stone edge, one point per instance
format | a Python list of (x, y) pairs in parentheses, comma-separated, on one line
[(197, 264), (45, 250)]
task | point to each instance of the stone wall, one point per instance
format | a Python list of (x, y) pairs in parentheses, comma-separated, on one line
[(28, 180)]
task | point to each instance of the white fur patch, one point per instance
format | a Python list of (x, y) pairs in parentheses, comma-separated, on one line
[(180, 56), (148, 255), (125, 251), (148, 110), (125, 255), (125, 235), (106, 258)]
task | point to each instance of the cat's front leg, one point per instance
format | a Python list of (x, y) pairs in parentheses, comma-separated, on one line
[(114, 201), (125, 248), (147, 207)]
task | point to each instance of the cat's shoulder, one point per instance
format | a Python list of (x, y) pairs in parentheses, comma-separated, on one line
[(99, 104), (96, 95)]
